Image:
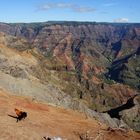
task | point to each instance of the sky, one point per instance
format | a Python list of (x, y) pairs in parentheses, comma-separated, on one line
[(12, 11)]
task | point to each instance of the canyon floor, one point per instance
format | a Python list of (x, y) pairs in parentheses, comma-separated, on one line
[(45, 120)]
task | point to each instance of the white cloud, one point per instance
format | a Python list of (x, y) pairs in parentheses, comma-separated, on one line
[(109, 4), (73, 7), (121, 20), (54, 5), (82, 9)]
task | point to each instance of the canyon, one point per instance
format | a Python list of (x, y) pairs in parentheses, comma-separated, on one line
[(88, 67)]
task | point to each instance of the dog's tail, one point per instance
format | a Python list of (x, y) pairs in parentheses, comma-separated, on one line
[(12, 116)]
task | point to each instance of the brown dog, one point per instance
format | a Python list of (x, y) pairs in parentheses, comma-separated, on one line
[(20, 114)]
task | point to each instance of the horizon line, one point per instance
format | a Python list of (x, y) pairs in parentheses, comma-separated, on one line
[(77, 21)]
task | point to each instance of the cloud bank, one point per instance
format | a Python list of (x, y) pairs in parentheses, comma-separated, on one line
[(73, 7), (121, 20)]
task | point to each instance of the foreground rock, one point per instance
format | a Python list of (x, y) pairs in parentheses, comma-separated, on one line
[(44, 120)]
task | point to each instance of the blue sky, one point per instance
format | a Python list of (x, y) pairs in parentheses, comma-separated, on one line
[(70, 10)]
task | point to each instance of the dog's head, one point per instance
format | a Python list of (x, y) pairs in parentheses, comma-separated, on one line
[(24, 114)]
